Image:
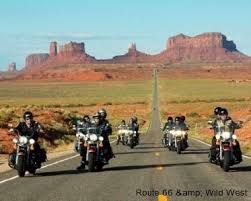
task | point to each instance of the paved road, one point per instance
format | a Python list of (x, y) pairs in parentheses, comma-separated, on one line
[(135, 175)]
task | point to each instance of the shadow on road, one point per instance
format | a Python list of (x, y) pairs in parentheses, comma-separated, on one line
[(136, 152), (146, 143), (157, 147), (195, 152), (138, 167), (241, 169), (55, 173)]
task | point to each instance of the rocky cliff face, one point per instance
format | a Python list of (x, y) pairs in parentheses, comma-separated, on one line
[(204, 47), (69, 53), (36, 59), (12, 67), (132, 56), (181, 48)]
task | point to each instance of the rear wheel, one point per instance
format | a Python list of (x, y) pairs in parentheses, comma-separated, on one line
[(91, 162), (21, 165)]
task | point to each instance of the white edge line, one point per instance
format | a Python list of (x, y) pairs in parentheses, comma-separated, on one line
[(248, 157), (51, 164)]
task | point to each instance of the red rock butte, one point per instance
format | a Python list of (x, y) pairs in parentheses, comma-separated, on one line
[(211, 47)]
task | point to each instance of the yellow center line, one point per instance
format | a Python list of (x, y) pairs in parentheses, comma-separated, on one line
[(157, 153), (162, 198)]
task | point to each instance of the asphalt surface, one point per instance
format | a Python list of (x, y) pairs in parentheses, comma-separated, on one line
[(138, 174)]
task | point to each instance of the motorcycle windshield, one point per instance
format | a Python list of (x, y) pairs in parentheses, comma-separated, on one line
[(93, 130)]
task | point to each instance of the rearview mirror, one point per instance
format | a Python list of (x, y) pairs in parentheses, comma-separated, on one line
[(210, 122), (10, 126)]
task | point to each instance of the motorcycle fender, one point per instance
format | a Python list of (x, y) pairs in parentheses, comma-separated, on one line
[(226, 147), (91, 149)]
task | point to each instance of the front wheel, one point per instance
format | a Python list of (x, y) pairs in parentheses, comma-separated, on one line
[(32, 170), (179, 147), (226, 161), (91, 162), (118, 140), (131, 145), (21, 165)]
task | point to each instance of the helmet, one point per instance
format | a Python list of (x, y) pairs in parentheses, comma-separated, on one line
[(217, 110), (123, 121), (223, 111), (134, 119), (28, 115), (177, 118), (170, 118), (86, 116), (102, 112), (96, 115), (182, 118)]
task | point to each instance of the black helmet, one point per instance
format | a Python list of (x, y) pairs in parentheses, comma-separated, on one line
[(102, 112), (123, 121), (217, 110), (177, 118), (28, 115), (223, 111), (169, 118), (86, 117), (97, 115), (183, 118)]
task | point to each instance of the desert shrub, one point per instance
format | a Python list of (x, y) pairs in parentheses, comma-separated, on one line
[(193, 114), (6, 115)]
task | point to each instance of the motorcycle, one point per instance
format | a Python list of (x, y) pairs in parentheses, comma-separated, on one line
[(80, 133), (166, 138), (132, 140), (122, 136), (224, 150), (93, 142), (177, 140), (25, 156)]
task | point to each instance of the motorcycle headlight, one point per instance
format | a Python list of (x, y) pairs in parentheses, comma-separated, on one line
[(32, 141), (226, 135), (80, 135), (100, 138), (15, 140), (93, 137), (217, 137), (23, 140), (178, 133), (234, 137)]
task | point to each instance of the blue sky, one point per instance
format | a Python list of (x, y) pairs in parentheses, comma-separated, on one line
[(108, 26)]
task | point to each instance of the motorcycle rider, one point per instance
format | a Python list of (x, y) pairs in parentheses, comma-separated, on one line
[(135, 127), (106, 131), (225, 123), (168, 126), (123, 125), (31, 128), (213, 142), (83, 125), (184, 127)]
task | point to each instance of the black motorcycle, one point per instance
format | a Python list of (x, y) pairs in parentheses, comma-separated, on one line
[(25, 156)]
